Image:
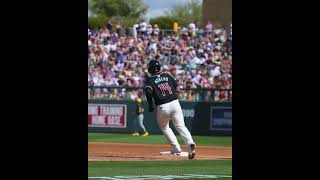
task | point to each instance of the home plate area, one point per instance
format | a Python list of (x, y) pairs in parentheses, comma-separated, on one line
[(99, 151)]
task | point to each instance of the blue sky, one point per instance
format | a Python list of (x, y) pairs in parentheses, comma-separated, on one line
[(158, 7)]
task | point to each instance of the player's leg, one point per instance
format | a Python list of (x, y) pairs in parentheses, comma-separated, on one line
[(178, 122), (140, 120), (135, 128), (163, 118)]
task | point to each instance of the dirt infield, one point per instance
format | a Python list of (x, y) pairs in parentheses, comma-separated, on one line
[(122, 152)]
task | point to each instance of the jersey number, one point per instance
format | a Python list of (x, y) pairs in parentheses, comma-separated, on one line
[(164, 87)]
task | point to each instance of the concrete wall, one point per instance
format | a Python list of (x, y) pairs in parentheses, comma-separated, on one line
[(218, 11)]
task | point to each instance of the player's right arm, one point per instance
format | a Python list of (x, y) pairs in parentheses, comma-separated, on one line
[(148, 90)]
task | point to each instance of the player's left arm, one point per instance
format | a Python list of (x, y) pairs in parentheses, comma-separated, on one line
[(148, 92)]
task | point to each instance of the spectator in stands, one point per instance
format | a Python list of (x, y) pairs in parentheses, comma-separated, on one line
[(118, 28), (109, 26), (209, 28), (150, 30), (143, 27), (192, 28), (156, 30), (117, 59), (134, 30)]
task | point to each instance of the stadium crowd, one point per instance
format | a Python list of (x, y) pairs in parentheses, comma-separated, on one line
[(197, 58)]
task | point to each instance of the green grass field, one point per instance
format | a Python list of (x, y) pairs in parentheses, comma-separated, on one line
[(181, 169)]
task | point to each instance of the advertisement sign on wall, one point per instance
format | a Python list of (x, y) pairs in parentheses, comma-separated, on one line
[(221, 118), (107, 115)]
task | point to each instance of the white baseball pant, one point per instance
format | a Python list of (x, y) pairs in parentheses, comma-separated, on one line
[(172, 111)]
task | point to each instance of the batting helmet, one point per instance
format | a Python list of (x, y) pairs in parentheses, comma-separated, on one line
[(154, 67)]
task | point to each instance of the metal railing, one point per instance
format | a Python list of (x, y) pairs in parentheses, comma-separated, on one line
[(186, 94), (169, 32)]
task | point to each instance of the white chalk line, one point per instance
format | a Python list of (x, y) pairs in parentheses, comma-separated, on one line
[(161, 177)]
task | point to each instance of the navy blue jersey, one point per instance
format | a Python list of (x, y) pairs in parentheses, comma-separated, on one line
[(139, 109), (163, 88)]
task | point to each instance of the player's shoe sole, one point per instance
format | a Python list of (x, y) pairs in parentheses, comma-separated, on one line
[(146, 134), (192, 152)]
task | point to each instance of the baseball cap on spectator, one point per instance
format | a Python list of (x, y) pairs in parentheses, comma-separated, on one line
[(217, 62)]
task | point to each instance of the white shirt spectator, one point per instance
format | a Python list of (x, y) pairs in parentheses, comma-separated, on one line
[(223, 36), (100, 81), (216, 71), (156, 31), (209, 27), (136, 77), (113, 47), (133, 96), (105, 56), (191, 60), (217, 31), (202, 60), (183, 29), (192, 27), (153, 46), (134, 30), (108, 82), (143, 26), (120, 66), (196, 79), (149, 30), (197, 60), (95, 80), (115, 82)]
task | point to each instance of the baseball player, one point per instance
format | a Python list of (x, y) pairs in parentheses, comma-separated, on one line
[(162, 89), (138, 121)]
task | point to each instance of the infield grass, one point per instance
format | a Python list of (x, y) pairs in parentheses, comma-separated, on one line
[(114, 169), (130, 168), (158, 139)]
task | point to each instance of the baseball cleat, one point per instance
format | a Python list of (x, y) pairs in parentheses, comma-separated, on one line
[(175, 151), (192, 151), (135, 134), (146, 134)]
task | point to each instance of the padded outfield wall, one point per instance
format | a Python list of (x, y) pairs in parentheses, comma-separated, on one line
[(201, 118)]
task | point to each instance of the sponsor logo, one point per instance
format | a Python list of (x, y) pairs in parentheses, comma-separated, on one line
[(107, 115), (188, 113), (221, 118)]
